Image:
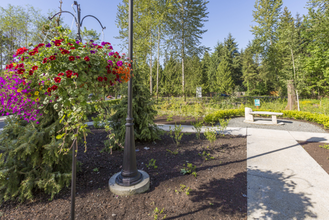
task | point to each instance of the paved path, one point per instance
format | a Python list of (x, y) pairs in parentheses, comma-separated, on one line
[(283, 180)]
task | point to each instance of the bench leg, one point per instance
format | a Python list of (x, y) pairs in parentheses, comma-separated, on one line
[(274, 120)]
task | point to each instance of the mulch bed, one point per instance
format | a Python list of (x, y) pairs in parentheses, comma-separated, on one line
[(319, 154), (217, 192)]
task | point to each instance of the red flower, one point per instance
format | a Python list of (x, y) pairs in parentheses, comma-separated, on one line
[(61, 40), (60, 74), (65, 52), (54, 87), (52, 57), (34, 67), (99, 47), (21, 51), (119, 57), (21, 65), (78, 57), (72, 48), (49, 90), (76, 74), (115, 56), (57, 79), (100, 78), (71, 58), (9, 66), (69, 71), (113, 72), (45, 60), (24, 83), (31, 53), (57, 43), (129, 65), (31, 72), (23, 58), (41, 45), (69, 44), (86, 58), (21, 71), (105, 78), (68, 74)]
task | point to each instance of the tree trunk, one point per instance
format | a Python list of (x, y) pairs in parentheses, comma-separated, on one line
[(183, 55), (158, 61), (151, 66)]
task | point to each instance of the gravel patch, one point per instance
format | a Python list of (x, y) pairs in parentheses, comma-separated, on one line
[(289, 125)]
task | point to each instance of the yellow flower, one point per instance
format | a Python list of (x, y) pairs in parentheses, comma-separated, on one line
[(36, 93), (19, 90)]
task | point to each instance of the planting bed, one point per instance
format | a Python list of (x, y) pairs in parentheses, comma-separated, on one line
[(217, 192)]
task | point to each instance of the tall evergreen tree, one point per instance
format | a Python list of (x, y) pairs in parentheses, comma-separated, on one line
[(266, 14), (185, 25), (224, 77)]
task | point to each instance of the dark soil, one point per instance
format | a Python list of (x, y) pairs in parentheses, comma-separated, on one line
[(319, 154), (217, 192)]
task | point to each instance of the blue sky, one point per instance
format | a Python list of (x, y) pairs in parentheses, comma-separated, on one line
[(225, 16)]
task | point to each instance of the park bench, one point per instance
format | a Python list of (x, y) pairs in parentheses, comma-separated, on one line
[(249, 115)]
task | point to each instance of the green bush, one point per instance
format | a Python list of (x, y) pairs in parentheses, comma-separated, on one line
[(293, 114), (143, 112), (30, 158)]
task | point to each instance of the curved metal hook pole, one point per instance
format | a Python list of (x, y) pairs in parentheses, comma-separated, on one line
[(63, 12), (93, 17)]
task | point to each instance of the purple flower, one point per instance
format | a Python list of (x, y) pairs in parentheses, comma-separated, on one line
[(92, 51), (110, 62), (48, 45), (111, 47), (77, 42), (91, 41), (119, 63), (111, 53)]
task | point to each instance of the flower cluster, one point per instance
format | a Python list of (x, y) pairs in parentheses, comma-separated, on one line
[(61, 72), (22, 102)]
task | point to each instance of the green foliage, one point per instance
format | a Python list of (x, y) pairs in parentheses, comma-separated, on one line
[(227, 113), (143, 113), (206, 155), (325, 146), (294, 114), (157, 212), (211, 134), (176, 134), (31, 160), (189, 169), (197, 126), (92, 106), (173, 152), (151, 164), (222, 125), (169, 118)]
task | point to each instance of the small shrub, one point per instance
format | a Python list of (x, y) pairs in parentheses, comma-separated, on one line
[(176, 134), (152, 164), (197, 126), (188, 169)]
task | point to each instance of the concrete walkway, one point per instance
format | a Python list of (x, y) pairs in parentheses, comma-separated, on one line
[(283, 180)]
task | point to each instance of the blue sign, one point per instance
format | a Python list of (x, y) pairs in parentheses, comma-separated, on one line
[(257, 102)]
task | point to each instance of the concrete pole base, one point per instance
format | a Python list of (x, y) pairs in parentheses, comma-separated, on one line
[(139, 188)]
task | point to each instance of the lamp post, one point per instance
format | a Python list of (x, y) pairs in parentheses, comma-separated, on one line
[(129, 175), (78, 37)]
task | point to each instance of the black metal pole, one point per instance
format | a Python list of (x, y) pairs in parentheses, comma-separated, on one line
[(129, 175), (79, 11), (73, 183)]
